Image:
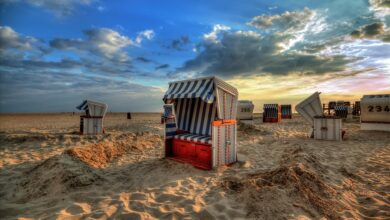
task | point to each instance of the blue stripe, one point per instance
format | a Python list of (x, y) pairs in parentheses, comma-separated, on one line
[(187, 95), (197, 115), (188, 102), (199, 88), (193, 117), (193, 137), (184, 136), (180, 112), (174, 86), (185, 89), (191, 114), (178, 89), (205, 139), (207, 89), (183, 112), (200, 130), (173, 125)]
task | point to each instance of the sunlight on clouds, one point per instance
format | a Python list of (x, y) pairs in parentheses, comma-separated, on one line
[(380, 8), (347, 86), (213, 35), (315, 24)]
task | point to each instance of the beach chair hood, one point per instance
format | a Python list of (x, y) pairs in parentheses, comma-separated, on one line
[(310, 107), (95, 109)]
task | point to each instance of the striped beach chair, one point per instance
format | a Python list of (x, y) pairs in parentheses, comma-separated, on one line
[(272, 113), (204, 130), (341, 111), (91, 123), (286, 111)]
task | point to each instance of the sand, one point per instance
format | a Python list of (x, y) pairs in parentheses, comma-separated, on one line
[(48, 171)]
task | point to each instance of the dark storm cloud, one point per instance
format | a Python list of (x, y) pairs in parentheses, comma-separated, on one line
[(162, 66), (247, 53), (375, 30)]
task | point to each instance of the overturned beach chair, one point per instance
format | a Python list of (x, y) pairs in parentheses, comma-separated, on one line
[(92, 121), (323, 127), (200, 122)]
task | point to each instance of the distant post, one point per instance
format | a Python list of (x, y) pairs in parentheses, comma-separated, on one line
[(128, 115)]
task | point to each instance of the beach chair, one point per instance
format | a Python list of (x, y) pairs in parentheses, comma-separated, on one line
[(200, 122), (286, 111), (375, 112), (272, 113), (323, 127), (91, 122), (245, 110)]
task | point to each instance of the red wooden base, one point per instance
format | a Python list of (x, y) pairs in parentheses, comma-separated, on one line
[(195, 153), (286, 116)]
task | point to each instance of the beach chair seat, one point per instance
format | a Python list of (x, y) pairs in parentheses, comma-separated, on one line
[(194, 137)]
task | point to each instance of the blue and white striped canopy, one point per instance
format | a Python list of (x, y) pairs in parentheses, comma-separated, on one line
[(270, 106), (198, 88), (341, 108), (83, 105)]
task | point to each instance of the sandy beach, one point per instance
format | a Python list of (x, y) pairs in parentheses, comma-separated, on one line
[(49, 171)]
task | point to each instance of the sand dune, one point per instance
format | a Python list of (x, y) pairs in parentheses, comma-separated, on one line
[(48, 171)]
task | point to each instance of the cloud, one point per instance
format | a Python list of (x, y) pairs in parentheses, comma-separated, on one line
[(37, 84), (213, 35), (16, 46), (162, 66), (244, 53), (40, 90), (381, 8), (146, 34), (386, 38), (102, 52), (294, 42), (283, 22), (10, 39), (143, 59), (294, 25), (178, 44), (380, 3), (57, 7), (104, 42), (371, 31)]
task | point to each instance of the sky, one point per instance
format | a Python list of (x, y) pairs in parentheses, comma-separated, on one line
[(54, 54)]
